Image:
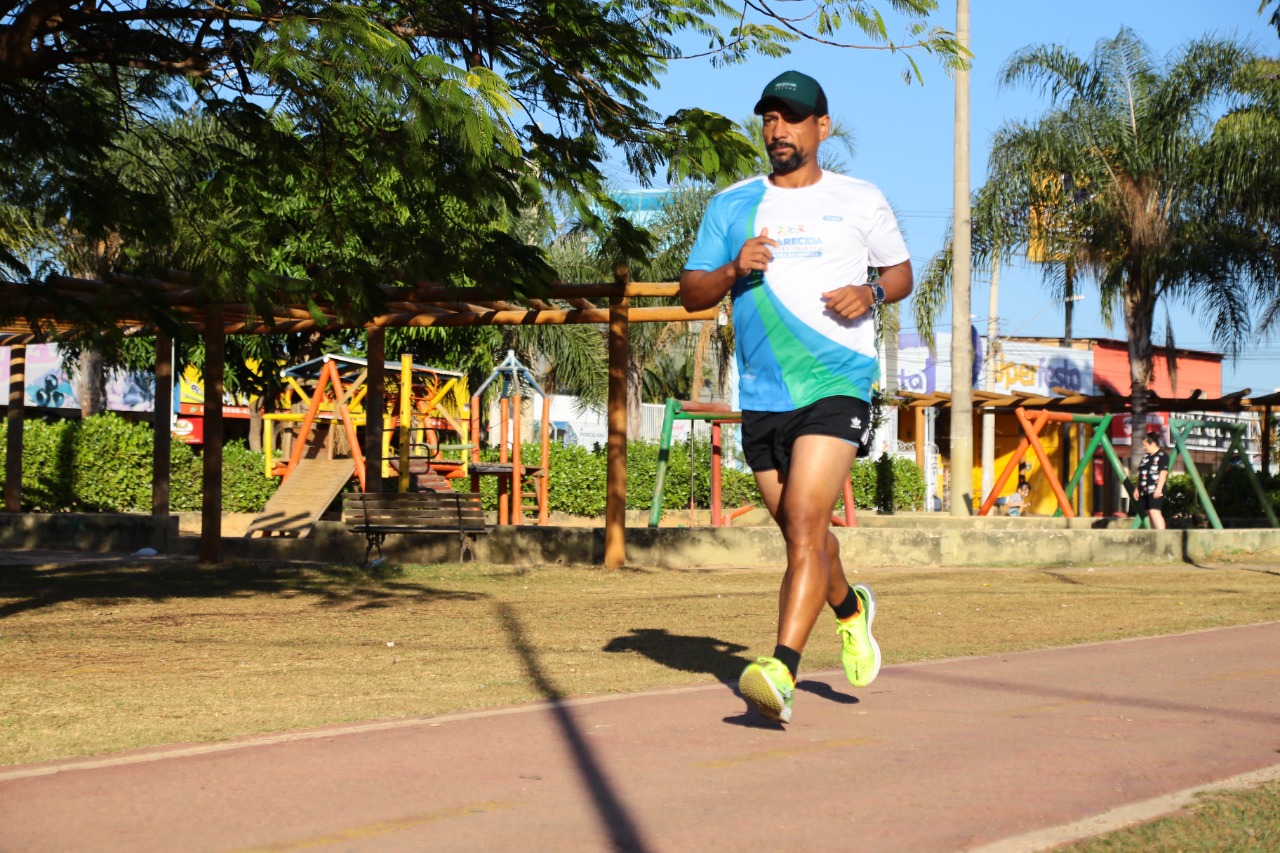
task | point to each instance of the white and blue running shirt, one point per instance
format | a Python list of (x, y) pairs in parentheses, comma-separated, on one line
[(791, 350)]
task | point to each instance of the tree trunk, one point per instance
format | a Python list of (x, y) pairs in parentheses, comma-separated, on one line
[(91, 384), (255, 424), (1139, 313), (635, 395)]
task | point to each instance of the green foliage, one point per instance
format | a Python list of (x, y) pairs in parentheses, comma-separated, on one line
[(103, 464), (1180, 498), (887, 484), (1153, 178), (245, 488), (579, 476), (1233, 496)]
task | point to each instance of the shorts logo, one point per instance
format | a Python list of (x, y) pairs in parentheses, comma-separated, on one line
[(855, 424)]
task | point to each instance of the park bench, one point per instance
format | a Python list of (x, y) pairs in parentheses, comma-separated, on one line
[(377, 514)]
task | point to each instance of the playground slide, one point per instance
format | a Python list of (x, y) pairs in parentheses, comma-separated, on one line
[(302, 498)]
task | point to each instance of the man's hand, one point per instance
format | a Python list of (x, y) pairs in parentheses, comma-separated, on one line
[(850, 301), (755, 254), (701, 289)]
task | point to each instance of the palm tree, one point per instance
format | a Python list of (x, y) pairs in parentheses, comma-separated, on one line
[(1133, 179)]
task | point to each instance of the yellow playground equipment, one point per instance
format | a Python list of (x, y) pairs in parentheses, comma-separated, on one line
[(426, 428)]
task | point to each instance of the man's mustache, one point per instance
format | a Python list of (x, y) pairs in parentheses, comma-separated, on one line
[(780, 146)]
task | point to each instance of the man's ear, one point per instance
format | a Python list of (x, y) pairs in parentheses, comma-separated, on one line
[(824, 127)]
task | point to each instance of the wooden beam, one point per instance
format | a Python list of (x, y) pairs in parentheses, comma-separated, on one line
[(615, 511), (15, 418), (215, 353)]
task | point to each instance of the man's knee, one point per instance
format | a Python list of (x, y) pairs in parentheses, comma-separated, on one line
[(808, 530)]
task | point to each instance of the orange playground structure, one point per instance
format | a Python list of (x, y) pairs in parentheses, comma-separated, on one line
[(426, 429)]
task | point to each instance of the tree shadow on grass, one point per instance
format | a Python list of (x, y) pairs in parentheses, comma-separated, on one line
[(625, 832), (24, 588)]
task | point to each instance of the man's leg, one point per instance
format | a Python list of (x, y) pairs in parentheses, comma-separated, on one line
[(819, 467), (771, 488)]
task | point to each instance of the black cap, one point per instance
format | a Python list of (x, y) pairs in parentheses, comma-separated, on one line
[(799, 93)]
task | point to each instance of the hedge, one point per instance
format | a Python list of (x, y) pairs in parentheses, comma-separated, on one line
[(1233, 498), (579, 476), (103, 464)]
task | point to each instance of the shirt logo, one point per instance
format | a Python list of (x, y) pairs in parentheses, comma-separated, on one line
[(833, 219)]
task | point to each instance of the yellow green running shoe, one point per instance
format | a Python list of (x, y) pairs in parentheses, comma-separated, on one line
[(860, 653), (768, 685)]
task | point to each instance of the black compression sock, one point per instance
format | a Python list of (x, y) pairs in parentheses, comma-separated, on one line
[(847, 608), (789, 657)]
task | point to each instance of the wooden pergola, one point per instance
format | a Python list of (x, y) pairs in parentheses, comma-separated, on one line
[(1070, 402), (136, 306)]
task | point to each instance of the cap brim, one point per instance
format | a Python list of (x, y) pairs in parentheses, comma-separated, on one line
[(794, 107)]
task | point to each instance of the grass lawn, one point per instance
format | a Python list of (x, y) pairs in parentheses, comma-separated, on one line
[(102, 657), (1240, 821)]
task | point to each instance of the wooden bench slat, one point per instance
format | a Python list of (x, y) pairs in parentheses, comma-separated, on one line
[(377, 514)]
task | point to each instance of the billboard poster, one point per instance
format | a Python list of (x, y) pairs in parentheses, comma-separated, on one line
[(921, 371), (50, 383), (1036, 369)]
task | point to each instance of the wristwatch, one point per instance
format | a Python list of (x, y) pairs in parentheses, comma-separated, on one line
[(877, 294)]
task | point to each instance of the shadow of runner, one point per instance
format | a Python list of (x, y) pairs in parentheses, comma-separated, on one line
[(622, 829), (684, 653)]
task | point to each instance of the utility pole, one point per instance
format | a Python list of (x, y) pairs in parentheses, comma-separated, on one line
[(961, 475), (1069, 299)]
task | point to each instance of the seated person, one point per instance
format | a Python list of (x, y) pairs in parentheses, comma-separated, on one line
[(1019, 502)]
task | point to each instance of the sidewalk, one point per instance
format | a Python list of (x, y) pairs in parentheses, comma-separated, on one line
[(1012, 751)]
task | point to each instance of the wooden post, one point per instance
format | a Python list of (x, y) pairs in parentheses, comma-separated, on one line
[(162, 426), (474, 438), (406, 418), (374, 407), (615, 508), (517, 472), (544, 484), (16, 416), (215, 353), (504, 481), (920, 444)]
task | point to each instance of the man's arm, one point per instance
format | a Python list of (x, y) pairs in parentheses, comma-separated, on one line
[(852, 301), (701, 289)]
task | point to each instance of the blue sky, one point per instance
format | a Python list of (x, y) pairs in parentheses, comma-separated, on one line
[(903, 133)]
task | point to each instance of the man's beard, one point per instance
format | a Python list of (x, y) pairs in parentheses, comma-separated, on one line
[(785, 160)]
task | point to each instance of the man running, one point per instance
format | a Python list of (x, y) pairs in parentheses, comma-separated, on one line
[(793, 248)]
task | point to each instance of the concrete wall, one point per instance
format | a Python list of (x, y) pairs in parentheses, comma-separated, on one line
[(87, 531), (938, 542)]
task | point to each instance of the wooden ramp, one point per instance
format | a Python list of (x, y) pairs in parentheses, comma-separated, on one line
[(302, 498)]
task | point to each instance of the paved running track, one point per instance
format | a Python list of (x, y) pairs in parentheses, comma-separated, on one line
[(1004, 753)]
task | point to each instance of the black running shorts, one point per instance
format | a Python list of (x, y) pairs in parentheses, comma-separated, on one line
[(1146, 503), (767, 437)]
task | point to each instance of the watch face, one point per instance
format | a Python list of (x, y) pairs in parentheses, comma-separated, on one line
[(878, 291)]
